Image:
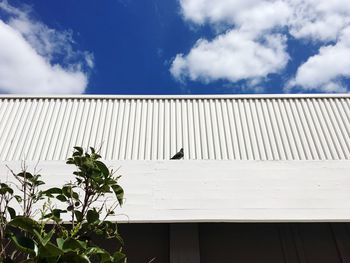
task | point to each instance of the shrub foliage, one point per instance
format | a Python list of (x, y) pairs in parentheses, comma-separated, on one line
[(87, 204)]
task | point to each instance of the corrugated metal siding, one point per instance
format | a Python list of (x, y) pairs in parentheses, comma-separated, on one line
[(242, 128)]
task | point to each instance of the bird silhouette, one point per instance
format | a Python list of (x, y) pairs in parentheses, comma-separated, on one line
[(178, 155)]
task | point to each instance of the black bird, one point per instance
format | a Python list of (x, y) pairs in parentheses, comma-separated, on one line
[(178, 155)]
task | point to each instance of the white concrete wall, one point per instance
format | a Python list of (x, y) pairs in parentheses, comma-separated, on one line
[(223, 191)]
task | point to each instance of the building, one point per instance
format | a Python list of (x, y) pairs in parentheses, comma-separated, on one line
[(265, 178)]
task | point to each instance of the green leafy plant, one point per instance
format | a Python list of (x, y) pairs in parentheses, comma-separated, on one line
[(84, 202)]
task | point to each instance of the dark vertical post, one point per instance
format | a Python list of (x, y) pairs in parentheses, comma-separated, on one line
[(184, 243)]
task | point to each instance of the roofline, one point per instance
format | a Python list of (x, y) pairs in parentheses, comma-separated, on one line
[(201, 96)]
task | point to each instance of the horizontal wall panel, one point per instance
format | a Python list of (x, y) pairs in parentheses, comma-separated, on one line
[(312, 127), (217, 190)]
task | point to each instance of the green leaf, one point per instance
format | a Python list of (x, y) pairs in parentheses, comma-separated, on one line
[(67, 190), (103, 255), (24, 244), (39, 183), (25, 175), (18, 198), (92, 150), (75, 195), (57, 212), (70, 161), (62, 198), (79, 149), (5, 189), (25, 223), (53, 191), (118, 257), (60, 242), (44, 240), (78, 215), (119, 193), (71, 244), (12, 212), (92, 216), (103, 168), (50, 250)]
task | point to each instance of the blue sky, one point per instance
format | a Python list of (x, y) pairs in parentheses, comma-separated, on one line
[(174, 46)]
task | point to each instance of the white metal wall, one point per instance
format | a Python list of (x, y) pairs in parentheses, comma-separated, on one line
[(132, 128), (218, 191)]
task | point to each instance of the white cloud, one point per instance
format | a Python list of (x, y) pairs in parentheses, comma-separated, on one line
[(232, 56), (319, 20), (244, 52), (37, 59), (325, 70)]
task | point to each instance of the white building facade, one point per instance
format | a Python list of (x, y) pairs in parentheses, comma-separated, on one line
[(247, 159)]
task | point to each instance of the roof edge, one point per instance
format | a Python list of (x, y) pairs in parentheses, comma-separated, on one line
[(199, 96)]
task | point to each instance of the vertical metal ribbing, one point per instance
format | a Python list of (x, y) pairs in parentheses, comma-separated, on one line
[(258, 130), (155, 129), (178, 116), (154, 144), (106, 144), (136, 128), (118, 132), (328, 129), (201, 131), (57, 132), (49, 122), (321, 129), (31, 147), (184, 130), (288, 132), (21, 131), (74, 128), (207, 119), (252, 130), (130, 131), (67, 134), (32, 127), (160, 131), (221, 129), (167, 123), (339, 119), (124, 130), (62, 133), (149, 125), (238, 127), (233, 131), (6, 110), (334, 129), (214, 124), (110, 131), (317, 133), (200, 142), (94, 123), (97, 140), (280, 138), (245, 130), (307, 131), (304, 150), (270, 143), (191, 131), (12, 122), (142, 136), (297, 144), (226, 127), (275, 133)]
